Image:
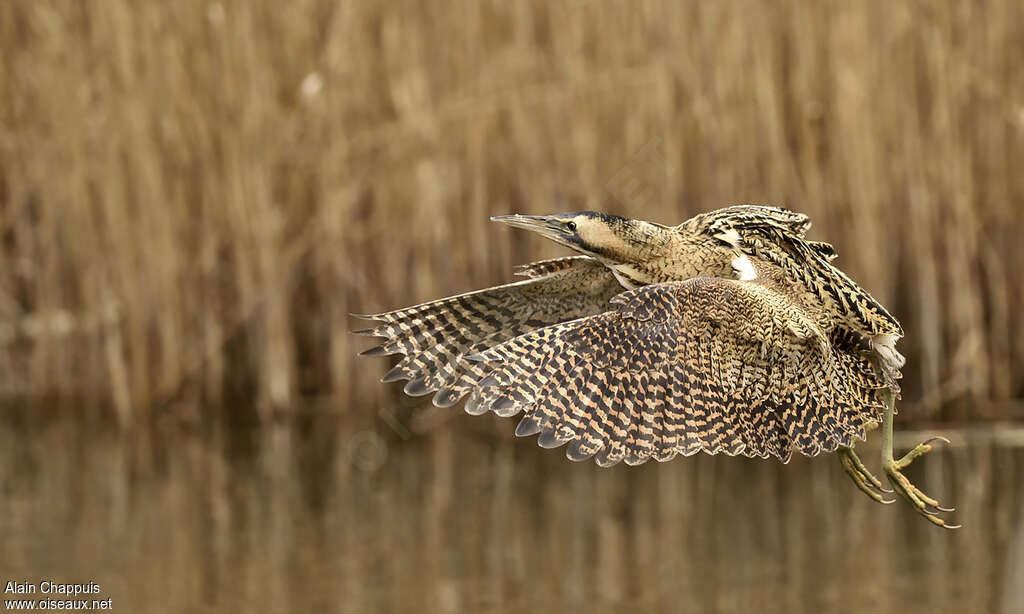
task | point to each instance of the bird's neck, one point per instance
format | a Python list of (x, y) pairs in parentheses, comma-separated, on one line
[(661, 254)]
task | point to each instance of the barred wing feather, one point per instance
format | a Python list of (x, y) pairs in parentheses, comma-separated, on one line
[(435, 337), (707, 364)]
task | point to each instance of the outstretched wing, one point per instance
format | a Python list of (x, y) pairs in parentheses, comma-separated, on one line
[(435, 337), (708, 364)]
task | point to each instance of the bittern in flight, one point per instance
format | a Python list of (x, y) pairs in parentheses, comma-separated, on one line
[(730, 332)]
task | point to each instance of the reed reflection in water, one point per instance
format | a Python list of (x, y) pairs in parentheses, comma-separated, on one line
[(310, 515)]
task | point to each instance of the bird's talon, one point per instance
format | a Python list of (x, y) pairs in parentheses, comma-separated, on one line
[(926, 506), (862, 477)]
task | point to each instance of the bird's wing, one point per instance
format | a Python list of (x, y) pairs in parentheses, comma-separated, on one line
[(717, 365), (435, 337)]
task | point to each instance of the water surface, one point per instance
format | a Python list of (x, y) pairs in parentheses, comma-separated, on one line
[(312, 515)]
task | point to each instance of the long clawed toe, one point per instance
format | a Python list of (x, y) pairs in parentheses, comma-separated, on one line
[(863, 478), (926, 506)]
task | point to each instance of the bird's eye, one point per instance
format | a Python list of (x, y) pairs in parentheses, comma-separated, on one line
[(571, 226)]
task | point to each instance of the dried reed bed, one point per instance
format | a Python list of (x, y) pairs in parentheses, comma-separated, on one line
[(193, 195)]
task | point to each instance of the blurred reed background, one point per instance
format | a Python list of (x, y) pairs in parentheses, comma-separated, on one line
[(194, 195)]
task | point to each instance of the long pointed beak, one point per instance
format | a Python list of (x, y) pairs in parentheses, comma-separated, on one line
[(536, 223), (552, 227)]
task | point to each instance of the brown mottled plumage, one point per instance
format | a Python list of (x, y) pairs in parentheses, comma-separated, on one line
[(436, 337), (728, 333), (707, 364)]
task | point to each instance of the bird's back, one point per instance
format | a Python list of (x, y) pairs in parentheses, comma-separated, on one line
[(777, 237)]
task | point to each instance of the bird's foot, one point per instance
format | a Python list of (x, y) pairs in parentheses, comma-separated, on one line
[(925, 505), (862, 477)]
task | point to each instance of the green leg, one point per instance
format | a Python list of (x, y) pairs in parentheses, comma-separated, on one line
[(903, 487)]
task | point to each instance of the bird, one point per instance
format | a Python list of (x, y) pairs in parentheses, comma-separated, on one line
[(731, 333)]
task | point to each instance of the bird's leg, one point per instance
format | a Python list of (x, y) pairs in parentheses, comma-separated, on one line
[(893, 467), (862, 476)]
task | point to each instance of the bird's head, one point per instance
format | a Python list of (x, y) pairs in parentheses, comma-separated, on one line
[(610, 238)]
